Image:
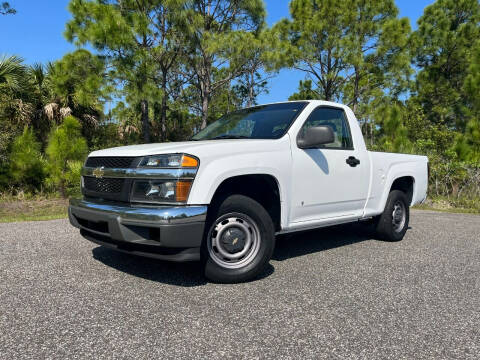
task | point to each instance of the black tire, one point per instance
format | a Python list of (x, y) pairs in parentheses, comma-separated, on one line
[(385, 227), (234, 211)]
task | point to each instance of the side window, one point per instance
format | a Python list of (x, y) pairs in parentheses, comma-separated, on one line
[(335, 118)]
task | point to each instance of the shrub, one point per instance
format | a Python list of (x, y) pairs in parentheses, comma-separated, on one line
[(27, 165), (66, 147)]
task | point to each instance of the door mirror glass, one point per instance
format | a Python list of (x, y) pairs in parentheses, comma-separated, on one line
[(315, 136)]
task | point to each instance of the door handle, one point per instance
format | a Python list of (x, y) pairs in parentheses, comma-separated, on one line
[(352, 161)]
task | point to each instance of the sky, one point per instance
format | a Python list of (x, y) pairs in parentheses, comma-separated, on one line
[(35, 33)]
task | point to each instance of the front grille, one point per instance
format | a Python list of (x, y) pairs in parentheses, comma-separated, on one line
[(103, 185), (118, 162)]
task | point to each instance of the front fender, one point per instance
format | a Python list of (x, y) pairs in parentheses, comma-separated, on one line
[(214, 171)]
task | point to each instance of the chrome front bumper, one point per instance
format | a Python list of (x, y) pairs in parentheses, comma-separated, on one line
[(165, 232)]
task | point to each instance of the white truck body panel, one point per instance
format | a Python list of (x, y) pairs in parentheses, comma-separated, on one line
[(316, 186)]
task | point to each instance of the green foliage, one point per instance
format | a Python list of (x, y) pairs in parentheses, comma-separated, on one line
[(472, 90), (27, 166), (142, 40), (78, 80), (6, 9), (305, 91), (257, 66), (351, 50), (14, 111), (219, 35), (80, 87), (446, 32), (106, 136), (66, 150), (446, 51), (12, 74), (172, 66), (395, 133)]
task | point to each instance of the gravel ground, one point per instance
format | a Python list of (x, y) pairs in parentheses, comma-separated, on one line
[(332, 293)]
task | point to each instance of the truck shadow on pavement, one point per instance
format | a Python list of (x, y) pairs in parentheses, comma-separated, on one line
[(312, 241), (186, 274), (190, 274)]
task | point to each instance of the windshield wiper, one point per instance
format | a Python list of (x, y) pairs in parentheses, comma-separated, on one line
[(230, 137)]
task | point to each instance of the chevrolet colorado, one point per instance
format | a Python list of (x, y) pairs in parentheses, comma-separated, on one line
[(223, 196)]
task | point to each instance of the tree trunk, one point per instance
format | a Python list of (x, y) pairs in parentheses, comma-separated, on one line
[(62, 189), (204, 112), (205, 89), (61, 184), (145, 121), (372, 127), (326, 91), (356, 91), (250, 83), (163, 119)]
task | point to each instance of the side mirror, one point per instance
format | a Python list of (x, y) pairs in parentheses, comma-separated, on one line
[(316, 136)]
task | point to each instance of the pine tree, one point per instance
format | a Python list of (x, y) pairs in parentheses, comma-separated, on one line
[(446, 33), (472, 89), (305, 92), (351, 50), (395, 133), (27, 166), (66, 150), (79, 87), (141, 41), (218, 36), (258, 69)]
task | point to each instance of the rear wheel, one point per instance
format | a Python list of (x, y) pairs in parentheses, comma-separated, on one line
[(239, 240), (393, 223)]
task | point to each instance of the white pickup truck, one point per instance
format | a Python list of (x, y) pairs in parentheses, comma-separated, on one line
[(223, 196)]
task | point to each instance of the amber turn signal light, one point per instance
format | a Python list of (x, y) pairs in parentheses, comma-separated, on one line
[(189, 161), (182, 190)]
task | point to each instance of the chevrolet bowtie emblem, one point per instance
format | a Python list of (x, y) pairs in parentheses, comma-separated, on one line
[(98, 172)]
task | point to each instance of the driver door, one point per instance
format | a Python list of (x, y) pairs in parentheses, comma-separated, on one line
[(324, 185)]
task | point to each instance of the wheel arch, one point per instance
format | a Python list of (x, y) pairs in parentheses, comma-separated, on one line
[(263, 188), (405, 184), (401, 181)]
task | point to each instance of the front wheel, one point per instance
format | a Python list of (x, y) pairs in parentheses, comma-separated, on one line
[(393, 223), (239, 241)]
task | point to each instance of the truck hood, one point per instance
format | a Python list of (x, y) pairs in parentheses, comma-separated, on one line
[(200, 149)]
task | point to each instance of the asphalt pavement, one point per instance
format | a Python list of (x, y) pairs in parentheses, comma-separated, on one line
[(331, 293)]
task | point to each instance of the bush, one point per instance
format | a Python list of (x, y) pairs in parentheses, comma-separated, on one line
[(66, 150), (27, 165)]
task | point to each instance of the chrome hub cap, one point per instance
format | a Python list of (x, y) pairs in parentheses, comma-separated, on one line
[(399, 216), (233, 241)]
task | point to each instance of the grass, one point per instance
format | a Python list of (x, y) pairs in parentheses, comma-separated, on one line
[(448, 210), (33, 209), (40, 207), (444, 204)]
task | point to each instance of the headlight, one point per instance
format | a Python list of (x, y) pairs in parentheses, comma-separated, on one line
[(171, 189), (168, 161), (161, 190)]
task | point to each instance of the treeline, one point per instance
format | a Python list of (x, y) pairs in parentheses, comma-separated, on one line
[(160, 70)]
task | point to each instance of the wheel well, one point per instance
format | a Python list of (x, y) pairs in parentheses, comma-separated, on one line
[(404, 184), (260, 187)]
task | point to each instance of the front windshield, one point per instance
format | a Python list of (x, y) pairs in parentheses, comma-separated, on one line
[(259, 122)]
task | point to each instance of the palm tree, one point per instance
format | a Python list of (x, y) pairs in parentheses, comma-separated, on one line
[(15, 90), (15, 113), (12, 74)]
